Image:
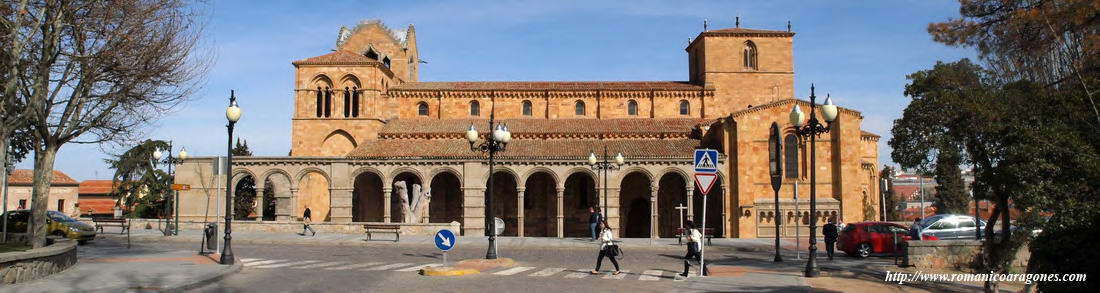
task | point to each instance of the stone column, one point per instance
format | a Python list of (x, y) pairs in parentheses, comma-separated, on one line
[(560, 212), (691, 203), (519, 210), (387, 191), (260, 203), (285, 204), (473, 211), (614, 211), (653, 225)]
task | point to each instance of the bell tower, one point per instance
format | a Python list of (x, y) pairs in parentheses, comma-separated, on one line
[(747, 67)]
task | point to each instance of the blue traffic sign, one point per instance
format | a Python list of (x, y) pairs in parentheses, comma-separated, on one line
[(706, 161), (444, 240)]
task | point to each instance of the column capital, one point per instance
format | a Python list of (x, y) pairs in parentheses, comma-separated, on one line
[(521, 189), (561, 190)]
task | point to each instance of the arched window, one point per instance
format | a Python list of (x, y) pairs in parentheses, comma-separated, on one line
[(328, 102), (386, 61), (579, 108), (347, 102), (422, 109), (632, 108), (475, 108), (320, 103), (750, 55), (355, 102), (685, 107), (526, 108), (790, 150), (371, 54)]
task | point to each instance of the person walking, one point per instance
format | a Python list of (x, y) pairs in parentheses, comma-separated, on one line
[(306, 220), (608, 249), (694, 246), (594, 218), (914, 230), (830, 232)]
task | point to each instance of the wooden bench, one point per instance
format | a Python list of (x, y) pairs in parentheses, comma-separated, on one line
[(681, 233), (109, 222), (381, 228)]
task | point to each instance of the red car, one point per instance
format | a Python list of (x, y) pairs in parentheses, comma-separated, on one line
[(866, 238)]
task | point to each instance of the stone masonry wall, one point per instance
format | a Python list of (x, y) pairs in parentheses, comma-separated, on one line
[(21, 267)]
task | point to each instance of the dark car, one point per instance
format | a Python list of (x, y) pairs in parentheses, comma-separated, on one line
[(864, 239)]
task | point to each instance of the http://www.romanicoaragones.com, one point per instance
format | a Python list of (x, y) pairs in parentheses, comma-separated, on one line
[(919, 276)]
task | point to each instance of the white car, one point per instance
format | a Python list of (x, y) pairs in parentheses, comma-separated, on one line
[(949, 227)]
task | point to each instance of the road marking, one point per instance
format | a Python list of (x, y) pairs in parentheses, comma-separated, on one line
[(354, 266), (513, 271), (389, 266), (613, 276), (546, 272), (417, 268), (266, 262), (650, 275), (248, 260), (578, 274), (321, 265), (287, 264)]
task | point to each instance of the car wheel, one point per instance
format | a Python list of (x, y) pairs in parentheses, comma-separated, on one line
[(864, 250), (58, 233), (82, 242)]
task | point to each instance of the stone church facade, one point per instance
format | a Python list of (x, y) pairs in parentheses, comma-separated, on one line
[(363, 121)]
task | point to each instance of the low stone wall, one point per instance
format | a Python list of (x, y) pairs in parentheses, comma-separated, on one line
[(292, 226), (956, 254), (23, 266)]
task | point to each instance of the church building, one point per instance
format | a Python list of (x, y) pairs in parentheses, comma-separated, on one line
[(363, 121)]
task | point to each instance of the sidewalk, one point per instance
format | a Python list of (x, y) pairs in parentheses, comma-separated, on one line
[(106, 265)]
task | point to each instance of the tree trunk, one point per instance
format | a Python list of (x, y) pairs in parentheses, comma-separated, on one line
[(988, 256), (43, 175)]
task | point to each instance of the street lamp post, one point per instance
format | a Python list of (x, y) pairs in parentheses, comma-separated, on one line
[(183, 156), (169, 228), (812, 130), (495, 141), (232, 113), (605, 166)]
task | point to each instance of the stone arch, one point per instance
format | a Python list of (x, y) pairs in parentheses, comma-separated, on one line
[(277, 197), (322, 80), (580, 193), (440, 170), (241, 173), (338, 143), (302, 173), (634, 204), (367, 198), (314, 193), (688, 180), (447, 197), (350, 80), (586, 171), (671, 193), (411, 176), (540, 204), (505, 199), (531, 172), (499, 169), (366, 169), (632, 169), (244, 187), (416, 172)]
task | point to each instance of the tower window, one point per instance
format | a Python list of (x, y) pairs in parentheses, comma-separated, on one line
[(579, 108), (328, 102), (320, 103), (386, 61), (685, 107), (750, 55), (526, 108), (475, 108), (371, 54), (422, 109), (347, 102), (355, 102), (632, 108)]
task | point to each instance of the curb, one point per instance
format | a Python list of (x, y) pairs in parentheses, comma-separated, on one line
[(208, 278), (448, 271)]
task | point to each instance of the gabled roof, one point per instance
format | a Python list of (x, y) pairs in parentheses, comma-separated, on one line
[(805, 105), (26, 177), (548, 85), (339, 57)]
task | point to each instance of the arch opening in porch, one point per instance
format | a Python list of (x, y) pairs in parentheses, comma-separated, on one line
[(671, 193), (580, 194), (634, 206), (314, 194), (540, 206), (504, 202), (367, 201), (395, 199), (446, 204), (714, 208)]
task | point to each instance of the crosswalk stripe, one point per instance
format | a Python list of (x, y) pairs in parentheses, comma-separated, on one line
[(389, 266), (248, 260), (287, 264), (266, 262), (321, 265), (546, 272), (354, 266), (613, 276), (417, 268), (650, 275), (578, 274), (513, 271)]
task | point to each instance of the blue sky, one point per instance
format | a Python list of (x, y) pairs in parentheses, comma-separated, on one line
[(859, 51)]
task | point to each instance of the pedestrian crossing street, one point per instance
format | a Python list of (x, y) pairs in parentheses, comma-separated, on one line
[(568, 273)]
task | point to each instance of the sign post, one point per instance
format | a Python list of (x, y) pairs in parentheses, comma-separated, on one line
[(706, 173), (775, 168), (445, 241)]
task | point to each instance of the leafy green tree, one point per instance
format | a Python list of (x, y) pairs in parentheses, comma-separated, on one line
[(951, 196), (242, 149), (891, 202), (140, 185)]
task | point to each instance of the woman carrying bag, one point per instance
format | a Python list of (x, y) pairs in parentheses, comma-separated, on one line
[(607, 249)]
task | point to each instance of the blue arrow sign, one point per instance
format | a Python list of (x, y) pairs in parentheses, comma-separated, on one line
[(445, 240), (706, 161)]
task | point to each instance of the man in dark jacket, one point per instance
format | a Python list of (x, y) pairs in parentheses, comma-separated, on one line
[(830, 233), (593, 219), (914, 230)]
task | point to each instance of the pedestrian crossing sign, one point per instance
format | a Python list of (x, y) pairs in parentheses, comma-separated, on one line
[(706, 161)]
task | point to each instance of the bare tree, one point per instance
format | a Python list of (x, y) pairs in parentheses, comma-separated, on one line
[(98, 71)]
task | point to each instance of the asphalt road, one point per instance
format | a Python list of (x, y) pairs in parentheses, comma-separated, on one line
[(293, 268)]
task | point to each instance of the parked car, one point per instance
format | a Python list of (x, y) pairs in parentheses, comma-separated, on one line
[(948, 226), (58, 224), (864, 239)]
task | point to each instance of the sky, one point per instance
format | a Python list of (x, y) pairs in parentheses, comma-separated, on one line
[(858, 51)]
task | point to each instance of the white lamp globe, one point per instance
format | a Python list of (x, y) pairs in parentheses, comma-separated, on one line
[(507, 134), (619, 158), (183, 154), (233, 113), (797, 117), (471, 133), (592, 158), (498, 134), (158, 155), (828, 110)]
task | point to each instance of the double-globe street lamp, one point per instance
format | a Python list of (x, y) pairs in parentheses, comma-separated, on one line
[(605, 166), (811, 130), (232, 113), (159, 157), (495, 141)]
